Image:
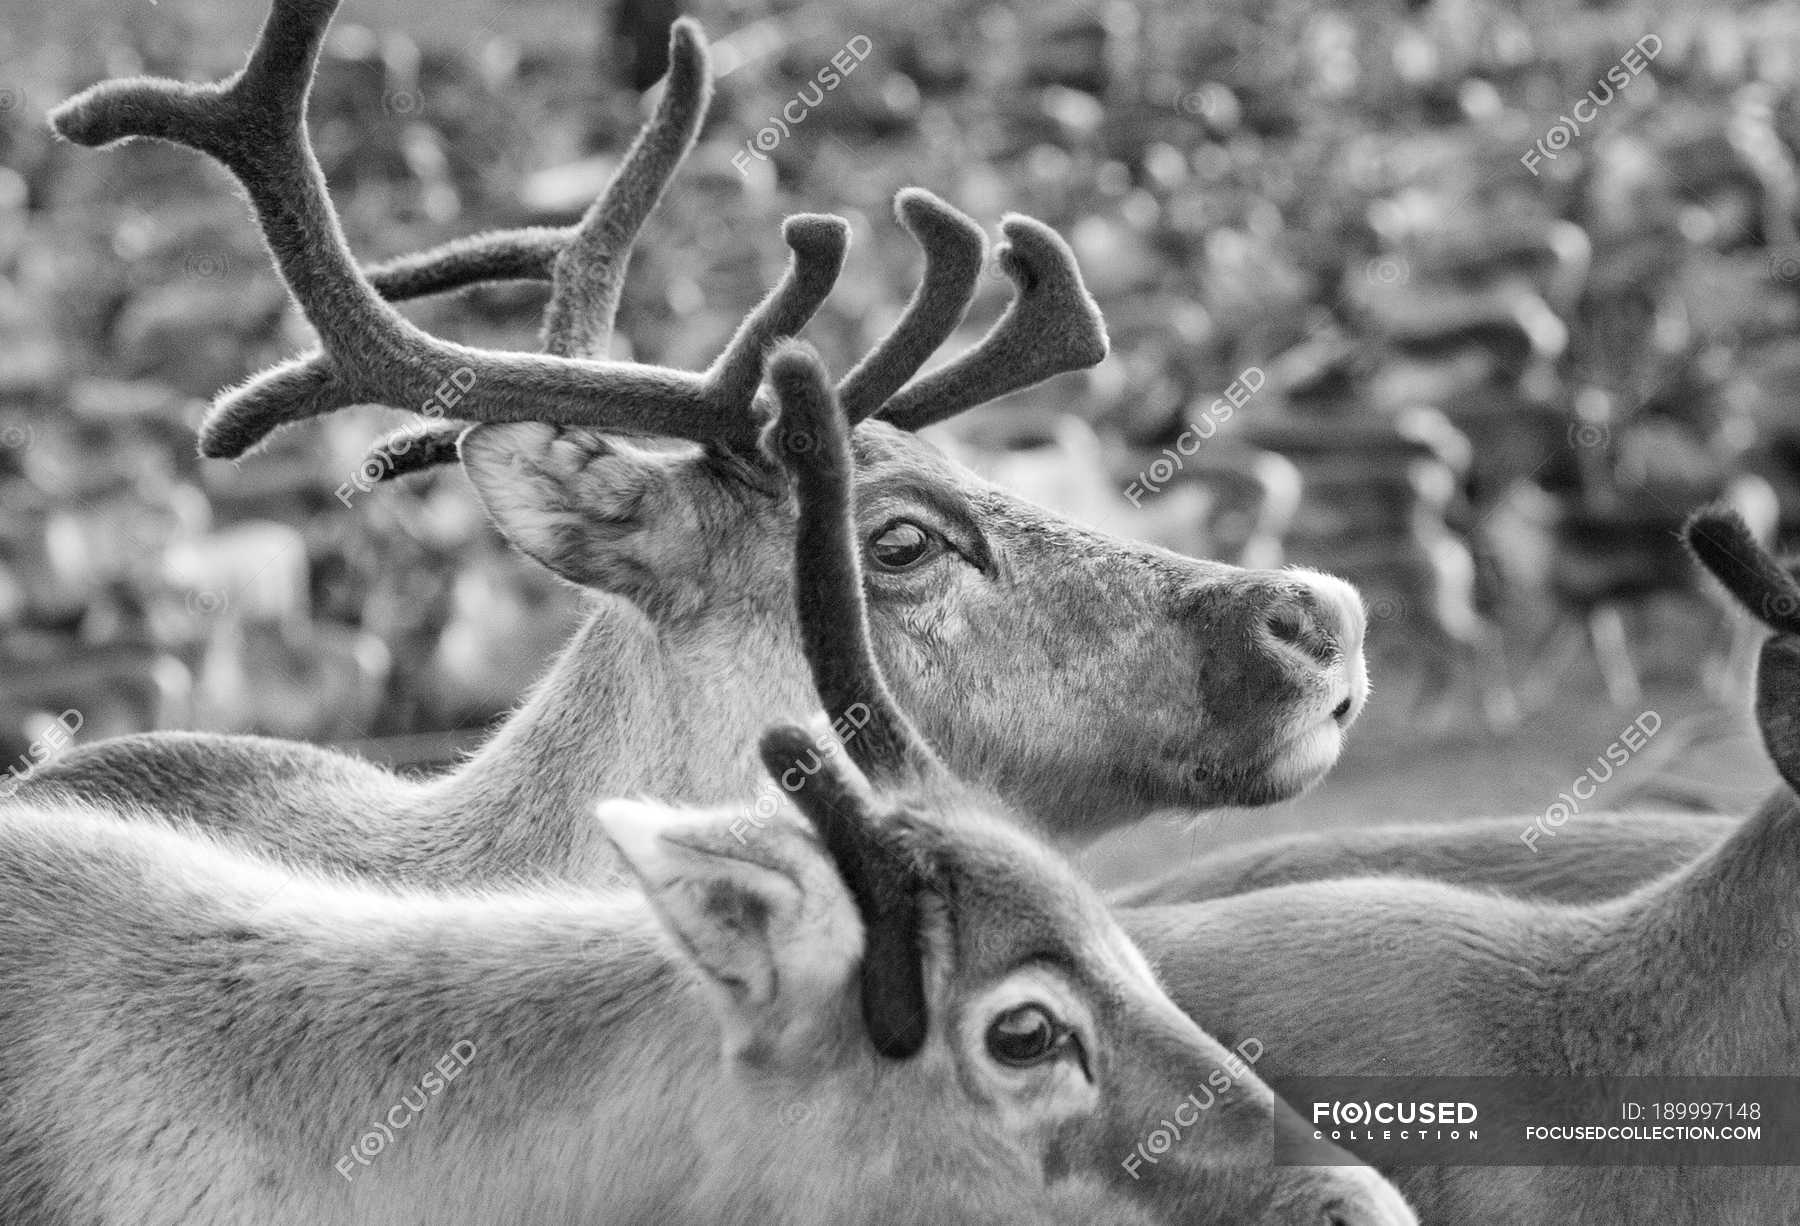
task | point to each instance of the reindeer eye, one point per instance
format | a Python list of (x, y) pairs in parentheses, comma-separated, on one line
[(903, 545), (1023, 1036)]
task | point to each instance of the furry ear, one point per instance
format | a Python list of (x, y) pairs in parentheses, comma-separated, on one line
[(761, 914), (574, 500)]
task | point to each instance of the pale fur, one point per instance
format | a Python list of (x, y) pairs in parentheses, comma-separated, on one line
[(1085, 679), (1150, 680), (1590, 857), (1691, 974), (196, 1037)]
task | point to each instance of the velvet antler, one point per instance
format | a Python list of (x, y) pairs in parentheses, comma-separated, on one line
[(1052, 326), (811, 436), (254, 124), (954, 250)]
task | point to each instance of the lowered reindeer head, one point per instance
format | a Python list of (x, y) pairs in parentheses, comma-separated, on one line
[(1023, 1084), (1150, 679), (911, 950)]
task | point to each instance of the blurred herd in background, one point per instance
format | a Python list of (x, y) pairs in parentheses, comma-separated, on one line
[(1356, 324)]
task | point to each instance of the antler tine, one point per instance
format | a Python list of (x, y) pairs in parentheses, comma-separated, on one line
[(955, 249), (812, 438), (877, 874), (254, 123), (586, 262), (590, 270), (524, 254), (414, 449), (589, 258), (1051, 326), (1724, 544), (713, 407), (819, 241)]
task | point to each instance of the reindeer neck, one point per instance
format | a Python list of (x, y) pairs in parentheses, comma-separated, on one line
[(573, 1056), (588, 1068), (629, 708), (480, 1047), (593, 1091), (1693, 944), (1731, 907)]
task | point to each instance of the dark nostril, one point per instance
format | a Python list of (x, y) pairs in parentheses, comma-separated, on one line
[(1291, 621), (1342, 711), (1286, 622)]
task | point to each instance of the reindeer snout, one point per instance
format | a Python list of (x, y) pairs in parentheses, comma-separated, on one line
[(1317, 621), (1375, 1203), (1340, 1196)]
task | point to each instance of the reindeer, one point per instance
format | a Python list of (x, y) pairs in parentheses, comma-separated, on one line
[(1595, 856), (1689, 975), (910, 1012), (1151, 680)]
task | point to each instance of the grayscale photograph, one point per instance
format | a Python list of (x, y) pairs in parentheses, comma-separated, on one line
[(787, 613)]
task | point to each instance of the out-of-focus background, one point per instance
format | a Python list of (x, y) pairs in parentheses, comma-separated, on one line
[(1504, 291)]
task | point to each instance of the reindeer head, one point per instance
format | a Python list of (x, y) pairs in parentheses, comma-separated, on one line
[(967, 1033), (1726, 546), (1150, 679), (1736, 912), (1040, 1075)]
